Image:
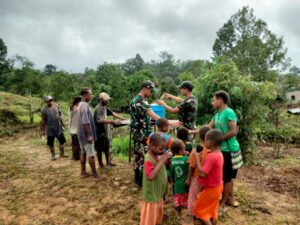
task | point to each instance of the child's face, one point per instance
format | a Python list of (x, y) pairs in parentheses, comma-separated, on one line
[(216, 103), (165, 128), (158, 149)]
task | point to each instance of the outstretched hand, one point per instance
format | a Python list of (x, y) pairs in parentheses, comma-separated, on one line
[(175, 123)]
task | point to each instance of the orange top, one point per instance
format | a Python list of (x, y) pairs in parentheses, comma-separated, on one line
[(192, 161)]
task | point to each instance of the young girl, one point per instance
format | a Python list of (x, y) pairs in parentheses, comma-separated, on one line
[(179, 173), (155, 183), (207, 203), (193, 175)]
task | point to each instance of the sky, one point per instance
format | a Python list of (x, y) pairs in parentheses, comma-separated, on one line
[(75, 34)]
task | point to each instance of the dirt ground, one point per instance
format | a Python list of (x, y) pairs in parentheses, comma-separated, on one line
[(35, 190)]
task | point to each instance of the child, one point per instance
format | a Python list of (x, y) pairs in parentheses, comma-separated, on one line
[(193, 175), (179, 172), (207, 203), (155, 184), (183, 134), (163, 127)]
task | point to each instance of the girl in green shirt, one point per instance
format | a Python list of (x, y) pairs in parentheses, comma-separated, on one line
[(155, 183)]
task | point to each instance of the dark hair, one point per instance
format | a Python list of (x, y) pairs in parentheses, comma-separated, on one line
[(156, 138), (203, 130), (84, 91), (75, 101), (176, 146), (183, 133), (162, 122), (215, 136), (223, 95)]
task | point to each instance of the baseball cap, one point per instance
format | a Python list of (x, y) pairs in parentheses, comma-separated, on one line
[(148, 84), (186, 84), (104, 96), (48, 98)]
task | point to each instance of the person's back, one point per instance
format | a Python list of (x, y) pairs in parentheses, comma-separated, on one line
[(213, 163)]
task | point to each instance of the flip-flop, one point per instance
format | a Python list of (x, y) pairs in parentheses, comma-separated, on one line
[(233, 204)]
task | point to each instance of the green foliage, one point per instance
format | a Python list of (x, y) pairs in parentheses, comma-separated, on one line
[(248, 98), (251, 45)]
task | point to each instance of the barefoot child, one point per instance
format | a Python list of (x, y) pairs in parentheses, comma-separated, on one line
[(207, 203), (155, 183), (179, 172), (193, 175)]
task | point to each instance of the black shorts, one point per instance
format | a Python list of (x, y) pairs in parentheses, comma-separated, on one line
[(61, 139), (228, 172), (102, 144)]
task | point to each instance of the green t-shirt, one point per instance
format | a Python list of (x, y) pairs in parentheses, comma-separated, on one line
[(221, 120), (179, 173)]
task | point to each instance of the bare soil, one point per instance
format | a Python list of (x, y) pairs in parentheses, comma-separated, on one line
[(34, 190)]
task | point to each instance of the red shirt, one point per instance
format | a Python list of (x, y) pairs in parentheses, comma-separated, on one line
[(213, 167)]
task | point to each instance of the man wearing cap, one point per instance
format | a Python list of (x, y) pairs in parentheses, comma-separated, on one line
[(52, 124), (187, 108), (100, 117)]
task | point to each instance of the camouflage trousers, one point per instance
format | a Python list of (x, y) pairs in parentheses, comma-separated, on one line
[(140, 148)]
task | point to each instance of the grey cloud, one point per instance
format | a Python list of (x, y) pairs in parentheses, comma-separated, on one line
[(76, 34)]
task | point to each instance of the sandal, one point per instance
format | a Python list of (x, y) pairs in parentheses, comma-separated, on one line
[(233, 204)]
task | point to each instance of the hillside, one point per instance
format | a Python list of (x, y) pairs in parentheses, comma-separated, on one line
[(14, 112)]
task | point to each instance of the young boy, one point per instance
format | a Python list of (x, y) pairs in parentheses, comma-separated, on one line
[(179, 172), (183, 134), (193, 175), (163, 127), (207, 203)]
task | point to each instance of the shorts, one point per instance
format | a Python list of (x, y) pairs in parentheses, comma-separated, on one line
[(89, 149), (228, 172), (181, 200), (61, 139), (102, 144)]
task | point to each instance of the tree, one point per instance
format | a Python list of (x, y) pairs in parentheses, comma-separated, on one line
[(4, 64), (251, 45), (133, 65), (248, 98), (49, 69)]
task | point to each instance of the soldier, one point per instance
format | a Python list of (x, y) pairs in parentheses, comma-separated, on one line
[(52, 124), (187, 108), (141, 113)]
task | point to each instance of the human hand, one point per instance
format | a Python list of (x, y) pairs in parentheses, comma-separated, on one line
[(176, 123), (117, 122), (90, 139), (164, 157), (188, 182), (166, 96)]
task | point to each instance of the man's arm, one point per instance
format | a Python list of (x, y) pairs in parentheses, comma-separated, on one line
[(87, 132), (168, 108), (152, 114), (118, 116), (232, 132), (173, 97)]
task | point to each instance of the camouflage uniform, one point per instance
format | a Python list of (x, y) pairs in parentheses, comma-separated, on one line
[(141, 129), (188, 112)]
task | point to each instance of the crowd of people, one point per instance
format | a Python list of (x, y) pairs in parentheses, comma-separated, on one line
[(200, 174)]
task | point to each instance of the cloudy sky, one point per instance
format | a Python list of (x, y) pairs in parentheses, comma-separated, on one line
[(74, 34)]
